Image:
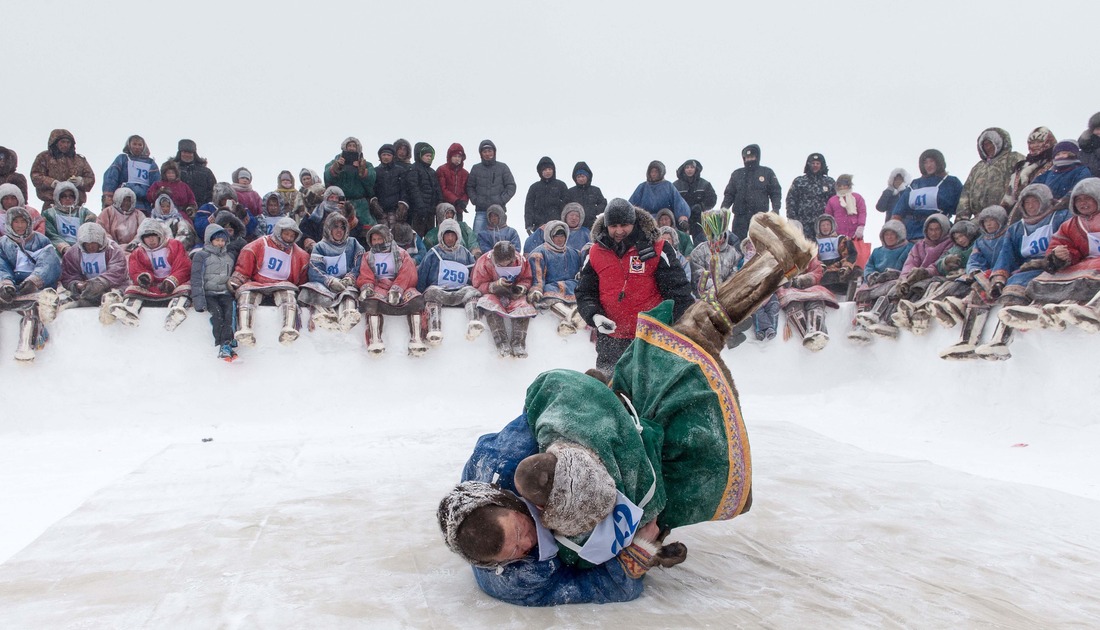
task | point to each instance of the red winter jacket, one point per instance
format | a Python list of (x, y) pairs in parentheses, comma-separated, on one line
[(180, 192), (179, 267), (251, 260), (452, 179), (628, 285), (1074, 236)]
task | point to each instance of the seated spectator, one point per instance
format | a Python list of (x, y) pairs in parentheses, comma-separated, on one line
[(444, 279), (452, 183), (275, 208), (61, 162), (159, 271), (28, 264), (333, 269), (179, 228), (272, 266), (989, 178), (1070, 290), (65, 217), (333, 202), (686, 242), (545, 197), (211, 268), (170, 183), (387, 286), (934, 192), (1066, 170), (952, 264), (672, 235), (468, 239), (354, 174), (236, 230), (588, 196), (803, 301), (1039, 159), (656, 192), (580, 237), (1089, 142), (10, 197), (308, 178), (765, 319), (224, 199), (837, 256), (93, 273), (293, 201), (133, 169), (246, 196), (408, 240), (496, 230), (503, 277), (122, 219), (554, 267), (879, 277)]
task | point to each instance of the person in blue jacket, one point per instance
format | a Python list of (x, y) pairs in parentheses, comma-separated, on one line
[(656, 192), (496, 229), (1066, 172), (133, 169), (28, 264), (935, 191)]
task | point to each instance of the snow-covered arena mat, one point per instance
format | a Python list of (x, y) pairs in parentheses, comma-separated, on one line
[(892, 489), (341, 533)]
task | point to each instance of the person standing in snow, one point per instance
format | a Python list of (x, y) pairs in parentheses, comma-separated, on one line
[(423, 191), (656, 192), (452, 181), (490, 183), (698, 193), (848, 209), (545, 198), (897, 181), (588, 196), (194, 172), (389, 205), (750, 189), (61, 162), (211, 268), (1089, 143), (672, 383), (988, 180), (809, 193), (9, 161)]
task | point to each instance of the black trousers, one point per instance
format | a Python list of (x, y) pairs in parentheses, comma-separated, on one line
[(222, 314), (608, 351)]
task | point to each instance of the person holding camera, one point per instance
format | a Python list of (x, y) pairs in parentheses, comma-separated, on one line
[(355, 176)]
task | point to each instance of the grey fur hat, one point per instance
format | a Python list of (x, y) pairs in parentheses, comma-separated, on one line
[(619, 212), (583, 494), (462, 501)]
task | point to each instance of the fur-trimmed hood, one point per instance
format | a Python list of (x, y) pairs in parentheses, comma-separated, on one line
[(62, 186), (660, 166), (1046, 202), (966, 228), (122, 194), (1088, 187), (221, 192), (501, 213), (550, 229), (10, 163), (387, 236), (55, 136), (937, 155), (645, 226), (449, 225), (349, 139), (14, 213), (998, 214), (572, 206), (12, 189), (583, 493), (156, 212), (698, 170), (441, 211), (277, 197), (91, 232), (144, 147), (832, 226), (462, 501), (227, 219), (153, 226), (1002, 142), (944, 222), (897, 227), (331, 221), (906, 178)]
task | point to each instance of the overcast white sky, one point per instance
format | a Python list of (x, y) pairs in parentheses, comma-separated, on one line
[(278, 85)]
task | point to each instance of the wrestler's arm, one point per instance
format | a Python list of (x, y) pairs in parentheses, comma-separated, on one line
[(550, 583)]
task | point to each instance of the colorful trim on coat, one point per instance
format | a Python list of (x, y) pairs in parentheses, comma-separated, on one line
[(739, 481)]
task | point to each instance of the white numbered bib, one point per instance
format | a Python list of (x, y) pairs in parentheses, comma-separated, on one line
[(925, 198), (612, 534), (137, 172), (827, 248), (452, 275), (159, 259), (66, 227), (1094, 244), (267, 224), (1036, 243), (275, 264), (384, 266), (509, 273), (92, 264), (23, 262), (336, 265)]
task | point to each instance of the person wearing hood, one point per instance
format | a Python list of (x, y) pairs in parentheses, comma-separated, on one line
[(1039, 159), (308, 177), (293, 201), (504, 277), (665, 218), (1070, 291), (935, 192), (765, 319), (803, 301), (915, 276), (588, 196), (241, 181), (467, 236), (194, 172), (444, 279), (988, 180), (879, 277), (966, 300), (403, 152), (848, 209), (750, 189), (1089, 143), (9, 161), (423, 190), (11, 197), (333, 202), (274, 209), (122, 219), (273, 267), (211, 268), (28, 264), (698, 193), (728, 260), (333, 269), (224, 199), (1064, 175), (407, 239), (675, 380), (61, 162), (809, 193), (952, 265), (837, 256), (490, 183), (390, 204), (453, 177), (897, 181), (133, 169), (93, 274), (656, 192), (630, 269), (65, 217), (387, 286), (545, 198), (496, 229), (673, 236), (235, 228), (179, 227), (354, 174), (554, 267), (170, 183), (160, 271)]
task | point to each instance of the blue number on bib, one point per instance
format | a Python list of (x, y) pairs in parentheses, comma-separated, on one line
[(1039, 245), (332, 270), (380, 268), (453, 275), (160, 263), (274, 264), (68, 230), (91, 268), (622, 513), (142, 173), (920, 200)]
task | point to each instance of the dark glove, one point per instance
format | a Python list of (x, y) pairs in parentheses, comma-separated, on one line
[(873, 278), (94, 289), (952, 262), (335, 285), (233, 284), (535, 296), (167, 286), (996, 289), (460, 206), (888, 275), (518, 289), (376, 209), (402, 211), (671, 555), (144, 280), (802, 281), (501, 287), (7, 293), (1055, 264), (28, 286)]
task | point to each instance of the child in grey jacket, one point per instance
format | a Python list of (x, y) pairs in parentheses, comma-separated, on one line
[(211, 268)]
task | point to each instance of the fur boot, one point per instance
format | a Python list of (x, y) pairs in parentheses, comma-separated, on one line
[(564, 312), (24, 352), (997, 348), (347, 314), (246, 309), (417, 347), (1084, 316), (949, 312), (110, 298), (519, 337), (128, 311), (288, 309), (474, 327), (48, 303), (435, 323), (496, 326), (817, 335), (972, 326), (375, 346), (1023, 317), (177, 312)]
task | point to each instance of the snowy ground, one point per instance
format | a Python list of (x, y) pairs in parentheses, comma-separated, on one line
[(891, 489)]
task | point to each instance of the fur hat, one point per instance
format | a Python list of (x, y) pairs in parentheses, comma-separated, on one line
[(619, 212), (462, 501), (656, 164), (386, 148), (500, 212), (1088, 187), (349, 140), (62, 186), (187, 145), (333, 220), (504, 253), (13, 190), (403, 234), (287, 223), (832, 225), (401, 142), (583, 494), (664, 212), (441, 211), (570, 207), (91, 233), (895, 226), (998, 214), (387, 238), (937, 156), (1046, 201), (942, 220), (449, 225), (966, 228), (19, 212), (221, 192), (844, 181), (671, 235)]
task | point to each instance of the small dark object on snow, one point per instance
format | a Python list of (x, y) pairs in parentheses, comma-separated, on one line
[(208, 439)]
